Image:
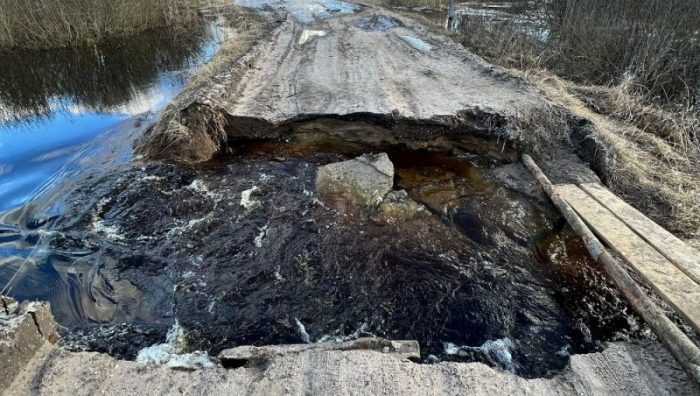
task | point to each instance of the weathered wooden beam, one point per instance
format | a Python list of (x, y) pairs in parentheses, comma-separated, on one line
[(675, 250), (680, 346), (668, 281)]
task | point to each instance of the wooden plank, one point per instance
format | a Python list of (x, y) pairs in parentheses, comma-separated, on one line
[(669, 282), (675, 250)]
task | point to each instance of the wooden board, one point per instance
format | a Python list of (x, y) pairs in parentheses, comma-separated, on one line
[(683, 256), (669, 282)]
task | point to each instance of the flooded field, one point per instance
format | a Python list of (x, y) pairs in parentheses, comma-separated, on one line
[(241, 250)]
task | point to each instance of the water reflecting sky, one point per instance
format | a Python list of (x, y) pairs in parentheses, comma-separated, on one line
[(53, 102)]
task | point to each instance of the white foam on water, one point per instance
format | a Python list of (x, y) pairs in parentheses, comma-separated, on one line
[(259, 238), (359, 332), (302, 331), (201, 187), (246, 200), (112, 232)]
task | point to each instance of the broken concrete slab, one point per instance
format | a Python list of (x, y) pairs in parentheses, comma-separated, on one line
[(252, 355), (24, 328), (363, 181), (637, 369)]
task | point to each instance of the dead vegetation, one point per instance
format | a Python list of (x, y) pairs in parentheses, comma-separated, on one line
[(647, 169), (191, 129), (58, 23)]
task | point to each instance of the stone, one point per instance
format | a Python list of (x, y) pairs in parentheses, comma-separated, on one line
[(254, 355), (24, 328), (363, 181), (397, 206)]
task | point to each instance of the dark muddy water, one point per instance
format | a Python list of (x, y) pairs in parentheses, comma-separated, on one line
[(241, 251), (69, 114)]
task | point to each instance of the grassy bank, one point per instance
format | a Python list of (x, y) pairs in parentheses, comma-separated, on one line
[(189, 130), (58, 23)]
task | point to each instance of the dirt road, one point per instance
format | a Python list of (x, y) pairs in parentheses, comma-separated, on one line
[(369, 60), (332, 59)]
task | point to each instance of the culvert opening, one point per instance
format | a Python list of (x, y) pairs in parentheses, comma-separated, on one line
[(256, 257)]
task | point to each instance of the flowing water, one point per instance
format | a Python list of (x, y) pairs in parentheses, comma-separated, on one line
[(241, 250)]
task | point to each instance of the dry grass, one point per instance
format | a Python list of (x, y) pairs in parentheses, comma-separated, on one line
[(640, 104), (652, 46), (191, 129), (56, 23), (660, 178)]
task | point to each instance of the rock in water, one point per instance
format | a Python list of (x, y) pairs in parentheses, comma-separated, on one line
[(397, 206), (363, 181)]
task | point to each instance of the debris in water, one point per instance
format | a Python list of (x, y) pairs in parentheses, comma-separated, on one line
[(497, 352), (302, 331), (246, 200), (171, 353)]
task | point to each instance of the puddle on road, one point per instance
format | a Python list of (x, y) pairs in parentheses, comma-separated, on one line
[(310, 35), (377, 23)]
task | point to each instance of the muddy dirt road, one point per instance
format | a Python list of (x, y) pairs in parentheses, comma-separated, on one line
[(351, 61), (370, 61)]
